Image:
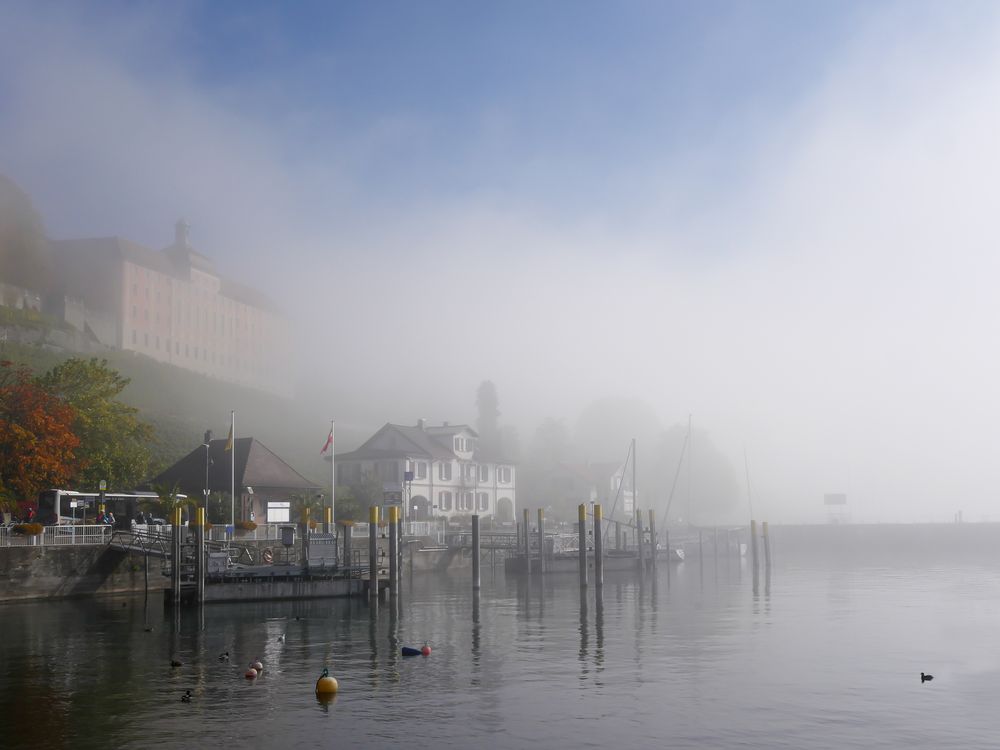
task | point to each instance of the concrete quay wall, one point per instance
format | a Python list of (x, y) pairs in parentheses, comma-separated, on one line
[(64, 572)]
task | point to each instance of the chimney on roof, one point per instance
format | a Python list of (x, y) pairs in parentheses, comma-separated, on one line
[(422, 424), (182, 231)]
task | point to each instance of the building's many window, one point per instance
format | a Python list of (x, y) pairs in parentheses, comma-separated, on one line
[(444, 470), (421, 470), (444, 500), (482, 501), (157, 343), (484, 473), (458, 444), (133, 312), (469, 472), (503, 474), (135, 290), (145, 339), (467, 501), (133, 338)]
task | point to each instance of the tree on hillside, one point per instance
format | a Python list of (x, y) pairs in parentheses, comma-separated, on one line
[(37, 444), (488, 419), (23, 246), (114, 443)]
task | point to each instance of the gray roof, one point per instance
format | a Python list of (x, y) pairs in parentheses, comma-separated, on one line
[(408, 441), (255, 465)]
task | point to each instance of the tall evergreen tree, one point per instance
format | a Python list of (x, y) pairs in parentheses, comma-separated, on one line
[(488, 420)]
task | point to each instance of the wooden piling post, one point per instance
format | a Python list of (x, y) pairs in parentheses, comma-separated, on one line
[(175, 553), (582, 541), (393, 551), (199, 555), (767, 547), (598, 546), (638, 542), (653, 551), (399, 543), (541, 540), (701, 549), (347, 554), (527, 545), (475, 552), (304, 531), (753, 551), (373, 552)]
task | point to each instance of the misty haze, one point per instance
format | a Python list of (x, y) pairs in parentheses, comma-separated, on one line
[(276, 281)]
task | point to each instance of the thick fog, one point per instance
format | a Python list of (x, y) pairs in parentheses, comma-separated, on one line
[(779, 221)]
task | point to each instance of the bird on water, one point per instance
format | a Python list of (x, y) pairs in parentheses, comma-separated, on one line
[(224, 656), (925, 677), (186, 698), (176, 663)]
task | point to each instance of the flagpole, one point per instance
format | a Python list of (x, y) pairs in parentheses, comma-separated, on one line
[(333, 480), (232, 476)]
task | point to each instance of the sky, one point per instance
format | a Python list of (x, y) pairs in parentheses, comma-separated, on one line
[(778, 217)]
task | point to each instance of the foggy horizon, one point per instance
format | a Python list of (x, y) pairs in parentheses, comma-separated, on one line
[(774, 218)]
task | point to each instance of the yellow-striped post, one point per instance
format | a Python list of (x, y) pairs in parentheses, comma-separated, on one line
[(373, 552), (598, 545), (393, 550), (199, 556)]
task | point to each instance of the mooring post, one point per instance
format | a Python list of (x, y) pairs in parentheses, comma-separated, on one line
[(767, 547), (304, 531), (582, 541), (327, 520), (175, 553), (399, 542), (652, 540), (527, 530), (753, 551), (541, 540), (393, 551), (598, 546), (199, 558), (475, 552), (373, 552), (701, 548), (638, 542), (346, 527)]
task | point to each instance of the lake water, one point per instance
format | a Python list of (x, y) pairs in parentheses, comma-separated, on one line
[(830, 657)]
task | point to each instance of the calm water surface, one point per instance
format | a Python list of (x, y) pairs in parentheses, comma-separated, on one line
[(829, 658)]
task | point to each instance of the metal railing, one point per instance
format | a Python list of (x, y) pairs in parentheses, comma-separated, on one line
[(57, 536)]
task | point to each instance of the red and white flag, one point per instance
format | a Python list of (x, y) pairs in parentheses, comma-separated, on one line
[(328, 443)]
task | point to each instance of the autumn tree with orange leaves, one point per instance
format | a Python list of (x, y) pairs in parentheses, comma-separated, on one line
[(38, 448)]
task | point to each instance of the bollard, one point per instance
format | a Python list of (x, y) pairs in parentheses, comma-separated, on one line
[(598, 546), (393, 551), (582, 540), (541, 540), (373, 552), (199, 554), (475, 552)]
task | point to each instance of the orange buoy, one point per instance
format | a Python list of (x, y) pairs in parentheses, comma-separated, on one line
[(326, 685), (426, 650)]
